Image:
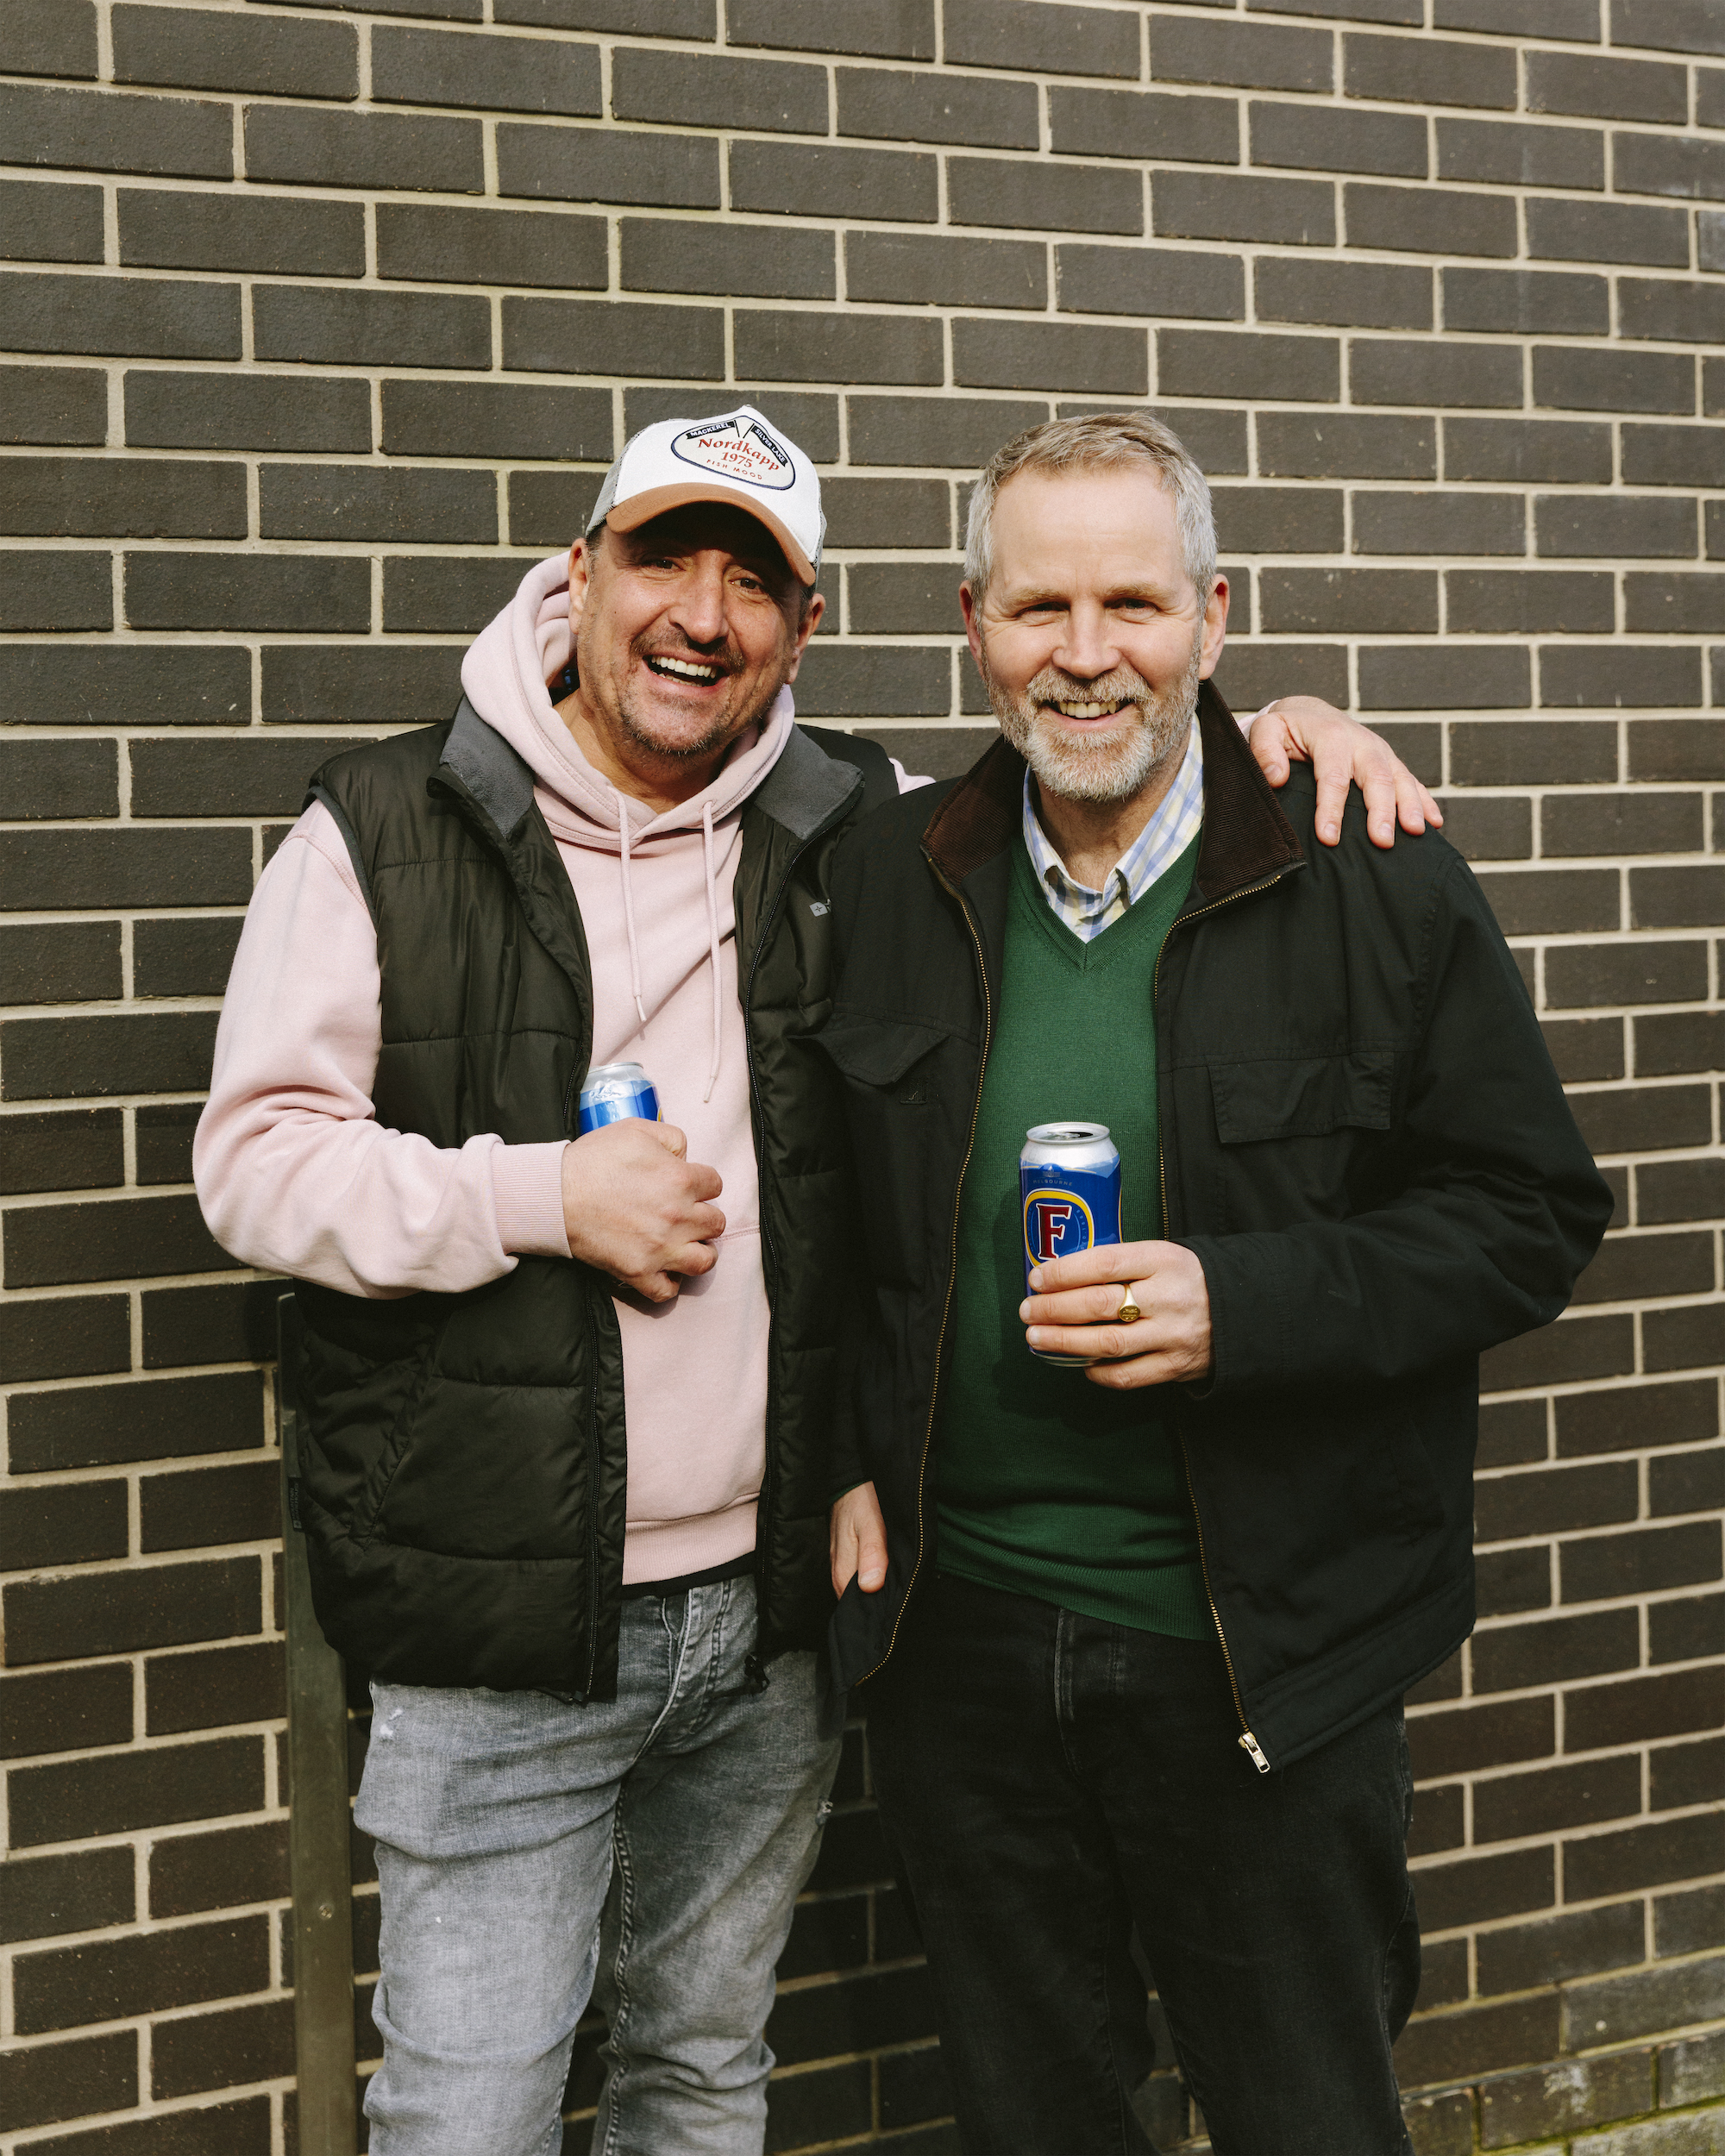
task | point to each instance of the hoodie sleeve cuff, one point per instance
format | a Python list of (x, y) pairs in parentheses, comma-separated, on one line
[(527, 1187)]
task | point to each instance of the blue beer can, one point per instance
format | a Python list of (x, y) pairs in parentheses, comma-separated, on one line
[(616, 1091), (1069, 1194)]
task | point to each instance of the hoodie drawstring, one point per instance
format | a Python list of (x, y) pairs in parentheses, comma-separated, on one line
[(713, 946), (629, 908), (714, 956)]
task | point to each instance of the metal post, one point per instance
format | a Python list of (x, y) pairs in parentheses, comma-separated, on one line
[(318, 1814)]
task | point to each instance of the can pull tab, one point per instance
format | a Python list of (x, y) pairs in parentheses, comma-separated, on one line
[(1249, 1745)]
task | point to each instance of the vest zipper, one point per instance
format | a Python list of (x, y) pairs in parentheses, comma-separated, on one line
[(951, 1268), (1248, 1743), (769, 1256)]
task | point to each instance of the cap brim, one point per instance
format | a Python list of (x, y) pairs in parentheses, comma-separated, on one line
[(654, 501)]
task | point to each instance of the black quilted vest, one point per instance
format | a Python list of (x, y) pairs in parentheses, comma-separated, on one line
[(464, 1458)]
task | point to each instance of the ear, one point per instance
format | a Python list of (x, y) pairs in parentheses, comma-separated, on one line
[(580, 578), (805, 629), (1215, 627), (972, 612)]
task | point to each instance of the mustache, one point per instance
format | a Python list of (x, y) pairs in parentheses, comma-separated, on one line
[(1120, 685)]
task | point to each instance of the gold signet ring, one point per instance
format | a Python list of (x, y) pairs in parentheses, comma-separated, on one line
[(1128, 1313)]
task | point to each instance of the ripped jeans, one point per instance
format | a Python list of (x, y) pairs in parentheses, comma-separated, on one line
[(649, 1849)]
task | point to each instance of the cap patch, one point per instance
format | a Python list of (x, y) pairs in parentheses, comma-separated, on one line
[(737, 448)]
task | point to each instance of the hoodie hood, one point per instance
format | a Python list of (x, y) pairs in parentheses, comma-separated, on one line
[(505, 674)]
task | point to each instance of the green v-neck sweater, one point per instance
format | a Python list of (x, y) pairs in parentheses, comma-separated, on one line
[(1049, 1485)]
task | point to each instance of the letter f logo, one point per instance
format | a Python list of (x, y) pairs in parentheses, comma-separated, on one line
[(1050, 1221)]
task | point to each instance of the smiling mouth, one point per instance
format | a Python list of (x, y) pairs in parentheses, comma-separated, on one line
[(698, 671), (1070, 708)]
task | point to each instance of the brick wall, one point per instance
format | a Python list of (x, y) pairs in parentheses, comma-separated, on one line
[(322, 320)]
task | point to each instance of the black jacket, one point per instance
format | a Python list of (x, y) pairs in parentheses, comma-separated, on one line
[(464, 1458), (1362, 1140)]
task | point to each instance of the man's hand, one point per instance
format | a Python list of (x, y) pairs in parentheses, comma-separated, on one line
[(1338, 749), (858, 1541), (1072, 1311), (637, 1209)]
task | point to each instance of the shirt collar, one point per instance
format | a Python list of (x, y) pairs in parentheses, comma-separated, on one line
[(1178, 818)]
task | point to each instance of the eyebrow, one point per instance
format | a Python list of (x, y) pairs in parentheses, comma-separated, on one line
[(1051, 597)]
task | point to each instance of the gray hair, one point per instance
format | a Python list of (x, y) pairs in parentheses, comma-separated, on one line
[(1104, 442)]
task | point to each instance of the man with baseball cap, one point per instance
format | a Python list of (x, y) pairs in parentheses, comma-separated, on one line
[(564, 1477)]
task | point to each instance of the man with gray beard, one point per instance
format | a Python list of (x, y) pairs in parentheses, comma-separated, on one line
[(1132, 1626)]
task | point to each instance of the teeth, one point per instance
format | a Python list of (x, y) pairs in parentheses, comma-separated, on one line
[(1088, 711), (686, 668)]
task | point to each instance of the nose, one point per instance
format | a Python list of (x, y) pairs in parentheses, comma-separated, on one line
[(699, 608), (1087, 651)]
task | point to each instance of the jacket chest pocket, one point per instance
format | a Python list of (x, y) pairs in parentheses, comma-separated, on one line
[(891, 1073), (1290, 1130)]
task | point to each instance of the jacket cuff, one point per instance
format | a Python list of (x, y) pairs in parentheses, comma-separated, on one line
[(527, 1188)]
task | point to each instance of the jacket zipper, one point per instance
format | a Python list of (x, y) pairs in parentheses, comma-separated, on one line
[(952, 1271), (1248, 1743)]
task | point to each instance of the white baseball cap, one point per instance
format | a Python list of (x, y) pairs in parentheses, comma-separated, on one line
[(736, 457)]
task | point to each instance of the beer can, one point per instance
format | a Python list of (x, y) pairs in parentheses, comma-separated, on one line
[(614, 1091), (1069, 1193)]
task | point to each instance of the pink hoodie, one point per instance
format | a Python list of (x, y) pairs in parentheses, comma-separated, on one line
[(296, 1175)]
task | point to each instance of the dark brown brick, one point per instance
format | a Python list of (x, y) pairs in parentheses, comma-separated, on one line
[(41, 1897), (318, 325), (53, 403), (1627, 1267), (1586, 2092), (1678, 749), (1428, 221), (1421, 71), (448, 244), (1229, 206), (94, 130), (1641, 1563), (1439, 1820), (1509, 1808), (1509, 1657), (188, 1873), (1637, 822), (586, 164), (1585, 1048), (1329, 140), (1567, 1353), (1682, 1775), (1100, 280), (1262, 56), (1509, 1580), (989, 354), (1554, 1499), (1607, 88), (1459, 1740), (602, 336), (1478, 2039), (1679, 1190), (63, 1523), (800, 178), (211, 1686), (166, 410), (1565, 231), (1688, 1482), (1636, 1415), (124, 317), (48, 2082), (1372, 296), (64, 1057), (65, 1710), (58, 961), (1335, 445), (502, 74), (1626, 972), (1444, 678), (164, 1142), (1139, 123), (1553, 901), (125, 1790), (1511, 1432), (217, 2051), (97, 1425), (1515, 155), (764, 96), (112, 1978), (1686, 1923), (52, 37), (312, 146), (275, 236), (1636, 1857), (1672, 26), (894, 29), (490, 419), (1633, 677), (1644, 1122), (1575, 601), (1685, 1339), (118, 1613), (48, 221), (1638, 1709), (547, 508), (1031, 34), (210, 1505), (183, 49), (1520, 1957), (1304, 601)]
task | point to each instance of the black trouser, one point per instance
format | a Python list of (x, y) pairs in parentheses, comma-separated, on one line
[(1049, 1782)]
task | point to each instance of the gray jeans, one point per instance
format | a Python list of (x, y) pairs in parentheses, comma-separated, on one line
[(500, 1819)]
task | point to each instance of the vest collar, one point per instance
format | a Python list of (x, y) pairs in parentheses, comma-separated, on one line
[(1246, 837), (496, 779), (805, 788)]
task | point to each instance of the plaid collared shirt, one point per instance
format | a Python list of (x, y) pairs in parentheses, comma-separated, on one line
[(1156, 849)]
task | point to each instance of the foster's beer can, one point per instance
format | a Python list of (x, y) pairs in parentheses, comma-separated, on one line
[(1070, 1191), (614, 1091)]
